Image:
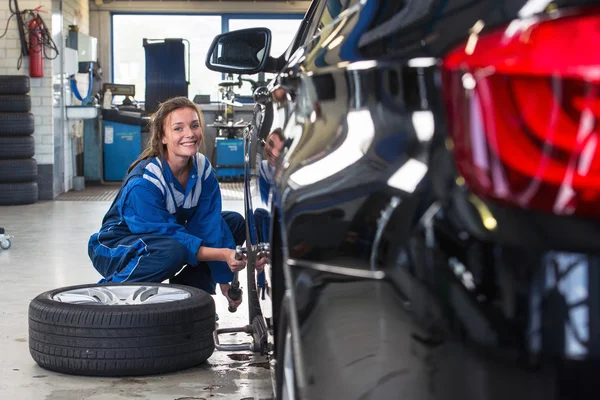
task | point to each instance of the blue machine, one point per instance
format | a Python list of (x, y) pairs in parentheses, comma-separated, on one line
[(92, 150), (229, 158), (122, 146)]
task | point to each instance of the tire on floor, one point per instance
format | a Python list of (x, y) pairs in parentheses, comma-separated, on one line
[(84, 335)]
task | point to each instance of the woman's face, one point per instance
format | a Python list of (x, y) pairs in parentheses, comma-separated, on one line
[(273, 148), (183, 134)]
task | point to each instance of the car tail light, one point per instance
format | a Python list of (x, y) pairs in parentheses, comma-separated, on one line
[(523, 106)]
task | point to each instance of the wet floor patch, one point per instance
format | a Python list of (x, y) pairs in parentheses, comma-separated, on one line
[(264, 365), (190, 398), (240, 357), (135, 381)]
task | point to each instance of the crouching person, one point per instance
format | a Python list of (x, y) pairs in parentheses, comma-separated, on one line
[(166, 221)]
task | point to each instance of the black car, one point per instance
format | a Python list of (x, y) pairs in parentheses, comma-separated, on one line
[(434, 218)]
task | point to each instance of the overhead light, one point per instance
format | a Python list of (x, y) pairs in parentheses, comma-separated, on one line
[(487, 218), (408, 176), (335, 42), (533, 7), (362, 65), (333, 34), (422, 62), (424, 125), (474, 36)]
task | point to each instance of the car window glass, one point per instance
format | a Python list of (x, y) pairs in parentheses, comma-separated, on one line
[(328, 11), (313, 29), (305, 28)]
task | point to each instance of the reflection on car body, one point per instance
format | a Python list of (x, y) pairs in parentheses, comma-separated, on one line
[(434, 209)]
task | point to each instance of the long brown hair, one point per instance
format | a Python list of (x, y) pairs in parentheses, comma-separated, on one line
[(155, 147), (279, 133)]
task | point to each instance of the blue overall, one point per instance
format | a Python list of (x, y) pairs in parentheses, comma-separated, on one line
[(265, 180), (262, 218), (154, 228)]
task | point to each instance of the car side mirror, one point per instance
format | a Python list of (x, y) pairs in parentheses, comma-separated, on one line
[(245, 51)]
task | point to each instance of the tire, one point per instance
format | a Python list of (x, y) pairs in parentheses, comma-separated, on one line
[(285, 389), (12, 171), (13, 194), (121, 340), (15, 103), (5, 244), (12, 148), (16, 124), (14, 84)]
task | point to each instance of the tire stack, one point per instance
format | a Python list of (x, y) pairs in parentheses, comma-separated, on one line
[(18, 169)]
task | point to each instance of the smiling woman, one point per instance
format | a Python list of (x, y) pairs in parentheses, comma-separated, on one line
[(166, 221)]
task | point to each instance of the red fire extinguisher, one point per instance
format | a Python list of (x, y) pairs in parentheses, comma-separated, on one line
[(36, 49)]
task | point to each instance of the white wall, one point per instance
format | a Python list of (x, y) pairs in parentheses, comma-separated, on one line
[(75, 12), (42, 89)]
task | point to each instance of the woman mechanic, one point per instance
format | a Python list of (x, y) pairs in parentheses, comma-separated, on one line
[(166, 221)]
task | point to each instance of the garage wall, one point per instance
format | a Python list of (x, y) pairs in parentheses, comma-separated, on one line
[(50, 136), (75, 12), (41, 88)]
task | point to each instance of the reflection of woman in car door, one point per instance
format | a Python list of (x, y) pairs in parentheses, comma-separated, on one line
[(273, 146)]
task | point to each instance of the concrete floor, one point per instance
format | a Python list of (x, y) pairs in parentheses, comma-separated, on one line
[(49, 250)]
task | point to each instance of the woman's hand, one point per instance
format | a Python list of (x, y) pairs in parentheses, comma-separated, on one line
[(234, 264), (261, 261), (232, 303)]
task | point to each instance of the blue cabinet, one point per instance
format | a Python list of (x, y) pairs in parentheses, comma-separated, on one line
[(122, 146), (229, 158)]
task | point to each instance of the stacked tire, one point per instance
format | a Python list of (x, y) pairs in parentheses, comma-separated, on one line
[(18, 169)]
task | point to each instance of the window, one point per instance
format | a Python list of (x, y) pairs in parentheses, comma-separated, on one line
[(283, 31), (129, 66), (129, 30)]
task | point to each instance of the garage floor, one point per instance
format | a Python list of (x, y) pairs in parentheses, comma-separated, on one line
[(49, 250)]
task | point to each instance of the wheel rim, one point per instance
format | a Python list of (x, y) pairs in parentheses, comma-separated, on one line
[(5, 244), (122, 295), (289, 374)]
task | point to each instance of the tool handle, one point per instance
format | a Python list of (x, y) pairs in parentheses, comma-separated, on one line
[(239, 252), (234, 293)]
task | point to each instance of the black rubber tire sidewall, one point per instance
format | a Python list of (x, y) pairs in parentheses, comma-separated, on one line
[(14, 84), (15, 194), (16, 147), (16, 171), (16, 124), (15, 103), (283, 328), (103, 340)]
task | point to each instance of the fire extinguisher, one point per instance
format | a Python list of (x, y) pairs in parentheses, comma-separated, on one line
[(36, 48)]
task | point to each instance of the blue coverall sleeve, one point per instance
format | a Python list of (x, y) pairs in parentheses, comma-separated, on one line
[(143, 208), (265, 177), (208, 224)]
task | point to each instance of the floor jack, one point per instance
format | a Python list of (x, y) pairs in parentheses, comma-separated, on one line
[(4, 239), (257, 328)]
